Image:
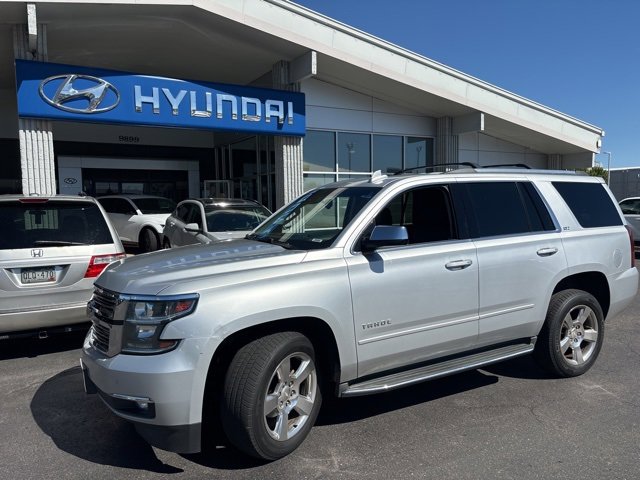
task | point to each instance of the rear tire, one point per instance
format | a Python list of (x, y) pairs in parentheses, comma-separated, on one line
[(271, 395), (148, 240), (166, 244), (572, 335)]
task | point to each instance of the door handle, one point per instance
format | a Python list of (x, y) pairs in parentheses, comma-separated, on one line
[(458, 264), (547, 252)]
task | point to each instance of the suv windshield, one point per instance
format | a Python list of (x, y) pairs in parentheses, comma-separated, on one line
[(52, 223), (154, 205), (315, 220)]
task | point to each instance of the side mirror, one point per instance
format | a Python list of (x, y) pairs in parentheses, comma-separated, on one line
[(385, 236), (192, 227)]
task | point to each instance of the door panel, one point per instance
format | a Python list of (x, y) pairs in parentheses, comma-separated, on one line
[(409, 307), (516, 276)]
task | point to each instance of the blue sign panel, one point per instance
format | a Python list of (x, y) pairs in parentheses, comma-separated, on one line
[(65, 92)]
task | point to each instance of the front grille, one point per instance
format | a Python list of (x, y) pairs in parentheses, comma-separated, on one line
[(102, 308), (100, 337), (104, 304)]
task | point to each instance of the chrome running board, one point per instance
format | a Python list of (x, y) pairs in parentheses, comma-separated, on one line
[(436, 370)]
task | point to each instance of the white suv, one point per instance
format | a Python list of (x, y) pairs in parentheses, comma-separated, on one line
[(357, 288), (138, 219)]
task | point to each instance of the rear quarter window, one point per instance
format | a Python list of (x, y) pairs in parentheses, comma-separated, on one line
[(590, 204)]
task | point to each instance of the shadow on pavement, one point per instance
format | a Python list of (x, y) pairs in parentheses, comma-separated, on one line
[(82, 425), (345, 410), (524, 367), (34, 347)]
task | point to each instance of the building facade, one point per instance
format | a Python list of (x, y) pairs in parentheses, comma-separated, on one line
[(259, 99)]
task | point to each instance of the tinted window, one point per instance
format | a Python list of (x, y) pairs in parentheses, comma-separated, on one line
[(54, 223), (631, 207), (182, 211), (537, 212), (590, 203), (230, 220), (425, 212), (116, 205), (506, 208)]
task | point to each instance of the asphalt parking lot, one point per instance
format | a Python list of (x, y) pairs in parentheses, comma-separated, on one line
[(509, 421)]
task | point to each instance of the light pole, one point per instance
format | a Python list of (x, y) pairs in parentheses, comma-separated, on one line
[(608, 167), (351, 150)]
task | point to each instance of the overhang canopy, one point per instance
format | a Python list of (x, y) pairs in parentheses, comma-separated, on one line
[(238, 41)]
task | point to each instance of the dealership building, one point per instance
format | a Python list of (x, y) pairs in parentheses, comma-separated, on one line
[(259, 99)]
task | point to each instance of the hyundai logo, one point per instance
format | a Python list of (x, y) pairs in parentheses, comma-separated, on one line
[(72, 89), (70, 180), (37, 252)]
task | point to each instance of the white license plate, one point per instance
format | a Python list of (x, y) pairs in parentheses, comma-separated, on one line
[(38, 275)]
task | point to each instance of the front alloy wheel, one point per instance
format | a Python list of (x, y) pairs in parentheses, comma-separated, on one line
[(271, 395), (290, 396)]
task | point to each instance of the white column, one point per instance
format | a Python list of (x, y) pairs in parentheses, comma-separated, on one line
[(288, 150), (36, 137), (554, 161), (446, 142)]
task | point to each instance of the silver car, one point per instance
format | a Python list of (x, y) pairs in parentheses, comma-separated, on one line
[(356, 288), (206, 220), (631, 209), (51, 251)]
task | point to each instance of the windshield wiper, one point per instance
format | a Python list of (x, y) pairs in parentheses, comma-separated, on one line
[(56, 243), (271, 240)]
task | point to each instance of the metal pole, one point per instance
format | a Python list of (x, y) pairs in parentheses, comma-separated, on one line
[(608, 168)]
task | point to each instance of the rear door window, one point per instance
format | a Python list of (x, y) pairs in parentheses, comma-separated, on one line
[(506, 208), (52, 223), (590, 203)]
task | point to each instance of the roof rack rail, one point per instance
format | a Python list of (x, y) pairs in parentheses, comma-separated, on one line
[(465, 164), (500, 165)]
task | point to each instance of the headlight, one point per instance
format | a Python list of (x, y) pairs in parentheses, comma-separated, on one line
[(146, 318)]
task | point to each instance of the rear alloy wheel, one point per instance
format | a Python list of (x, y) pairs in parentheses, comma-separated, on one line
[(572, 336), (271, 395), (148, 240)]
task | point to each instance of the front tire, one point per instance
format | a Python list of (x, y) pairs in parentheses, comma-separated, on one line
[(572, 335), (271, 395)]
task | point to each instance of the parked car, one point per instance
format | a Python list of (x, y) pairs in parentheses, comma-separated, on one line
[(358, 288), (631, 209), (51, 251), (138, 219), (206, 220)]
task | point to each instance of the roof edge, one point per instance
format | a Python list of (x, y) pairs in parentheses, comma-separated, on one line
[(410, 55)]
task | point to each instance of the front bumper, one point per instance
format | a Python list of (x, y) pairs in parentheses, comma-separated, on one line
[(160, 394)]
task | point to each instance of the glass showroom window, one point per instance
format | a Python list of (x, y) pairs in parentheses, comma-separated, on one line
[(387, 153), (354, 152), (319, 151), (418, 152), (331, 156)]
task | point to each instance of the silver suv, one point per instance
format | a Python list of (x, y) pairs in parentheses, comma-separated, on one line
[(51, 251), (357, 288)]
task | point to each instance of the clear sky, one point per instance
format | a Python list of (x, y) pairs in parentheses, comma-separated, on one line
[(581, 57)]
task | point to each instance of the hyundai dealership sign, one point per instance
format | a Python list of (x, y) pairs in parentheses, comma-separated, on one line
[(65, 92)]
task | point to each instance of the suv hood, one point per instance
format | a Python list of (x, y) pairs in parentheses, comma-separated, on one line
[(151, 273)]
